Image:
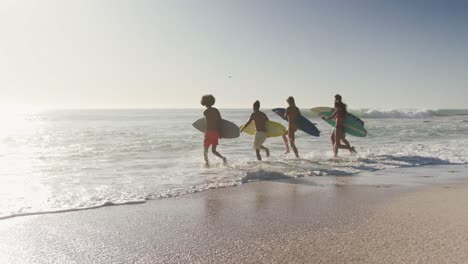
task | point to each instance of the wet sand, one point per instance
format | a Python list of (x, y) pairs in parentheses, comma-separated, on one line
[(260, 222)]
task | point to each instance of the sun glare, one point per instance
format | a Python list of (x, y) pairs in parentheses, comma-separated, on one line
[(17, 155), (15, 119)]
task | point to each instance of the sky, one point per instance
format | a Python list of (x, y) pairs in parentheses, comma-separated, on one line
[(167, 54)]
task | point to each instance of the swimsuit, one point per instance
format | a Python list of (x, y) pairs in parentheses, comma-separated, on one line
[(260, 138), (339, 116), (211, 138)]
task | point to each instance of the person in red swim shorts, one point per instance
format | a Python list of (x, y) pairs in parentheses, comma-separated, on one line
[(213, 128)]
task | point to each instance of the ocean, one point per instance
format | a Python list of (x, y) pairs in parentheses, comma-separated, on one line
[(63, 160)]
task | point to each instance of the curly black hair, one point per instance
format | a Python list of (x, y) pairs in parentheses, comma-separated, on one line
[(208, 100)]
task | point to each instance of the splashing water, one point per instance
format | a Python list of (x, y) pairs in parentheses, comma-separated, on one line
[(75, 159)]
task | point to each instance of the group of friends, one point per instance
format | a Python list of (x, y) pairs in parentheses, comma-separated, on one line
[(292, 114)]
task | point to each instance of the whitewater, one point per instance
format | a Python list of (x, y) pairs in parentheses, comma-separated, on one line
[(62, 160)]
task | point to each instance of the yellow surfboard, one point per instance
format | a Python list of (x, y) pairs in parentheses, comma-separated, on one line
[(273, 129)]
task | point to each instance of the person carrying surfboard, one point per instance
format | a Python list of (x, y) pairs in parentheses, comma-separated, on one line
[(213, 128), (292, 114), (260, 119), (340, 114), (338, 98)]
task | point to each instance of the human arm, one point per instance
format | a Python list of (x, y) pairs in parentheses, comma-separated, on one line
[(247, 124), (206, 119), (330, 117), (219, 123)]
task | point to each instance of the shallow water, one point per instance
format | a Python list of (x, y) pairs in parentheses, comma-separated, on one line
[(61, 160)]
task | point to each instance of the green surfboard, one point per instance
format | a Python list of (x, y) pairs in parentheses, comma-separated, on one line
[(352, 127)]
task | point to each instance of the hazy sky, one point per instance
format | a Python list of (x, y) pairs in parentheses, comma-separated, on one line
[(111, 53)]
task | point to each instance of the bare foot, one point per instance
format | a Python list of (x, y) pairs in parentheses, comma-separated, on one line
[(287, 151), (207, 165), (353, 151), (267, 151), (224, 161)]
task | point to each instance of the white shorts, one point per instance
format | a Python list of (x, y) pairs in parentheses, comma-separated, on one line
[(260, 138)]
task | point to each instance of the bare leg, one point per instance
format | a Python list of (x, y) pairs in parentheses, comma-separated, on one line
[(205, 154), (340, 136), (337, 143), (343, 139), (259, 157), (285, 139), (347, 146), (293, 144), (267, 151), (216, 153), (332, 137), (335, 150), (341, 146)]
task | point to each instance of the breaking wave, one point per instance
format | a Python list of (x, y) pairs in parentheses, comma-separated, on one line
[(407, 113)]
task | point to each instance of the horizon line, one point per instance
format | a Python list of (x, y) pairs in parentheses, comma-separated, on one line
[(38, 108)]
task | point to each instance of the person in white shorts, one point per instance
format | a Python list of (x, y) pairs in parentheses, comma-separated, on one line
[(260, 119)]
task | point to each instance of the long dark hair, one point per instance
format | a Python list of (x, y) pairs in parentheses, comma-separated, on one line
[(291, 101), (342, 106)]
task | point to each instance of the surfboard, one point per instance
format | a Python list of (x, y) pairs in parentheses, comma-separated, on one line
[(317, 110), (304, 124), (273, 129), (228, 128), (352, 126)]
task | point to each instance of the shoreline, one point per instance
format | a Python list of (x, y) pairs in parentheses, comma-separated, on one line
[(363, 178), (262, 222), (423, 220), (179, 229)]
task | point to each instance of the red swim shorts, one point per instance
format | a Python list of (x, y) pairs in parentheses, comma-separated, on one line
[(211, 138)]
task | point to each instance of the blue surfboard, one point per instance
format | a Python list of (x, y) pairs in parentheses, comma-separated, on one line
[(304, 124)]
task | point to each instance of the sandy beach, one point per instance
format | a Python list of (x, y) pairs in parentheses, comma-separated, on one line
[(233, 132), (259, 222)]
